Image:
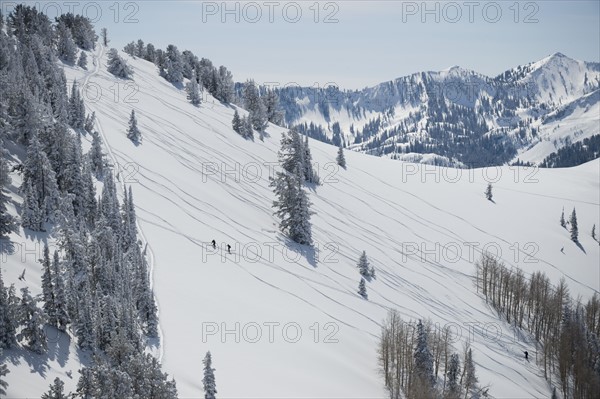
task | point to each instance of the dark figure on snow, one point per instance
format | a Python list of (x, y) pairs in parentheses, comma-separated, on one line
[(214, 243), (526, 355), (228, 248)]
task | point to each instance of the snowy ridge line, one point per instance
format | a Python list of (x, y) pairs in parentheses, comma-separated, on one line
[(147, 249)]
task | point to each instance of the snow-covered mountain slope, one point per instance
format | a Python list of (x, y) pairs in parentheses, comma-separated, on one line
[(557, 79), (435, 113), (570, 123), (283, 321)]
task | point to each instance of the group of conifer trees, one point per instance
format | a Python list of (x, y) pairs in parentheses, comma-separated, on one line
[(95, 283)]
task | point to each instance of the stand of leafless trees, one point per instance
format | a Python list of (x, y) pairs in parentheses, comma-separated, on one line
[(416, 361), (566, 330)]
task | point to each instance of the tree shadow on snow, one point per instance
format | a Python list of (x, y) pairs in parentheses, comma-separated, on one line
[(59, 351), (38, 363), (59, 345), (7, 247), (178, 85), (311, 186), (295, 251), (580, 246)]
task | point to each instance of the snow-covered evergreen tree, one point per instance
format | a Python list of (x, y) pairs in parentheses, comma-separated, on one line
[(563, 223), (272, 109), (255, 106), (173, 65), (31, 319), (7, 222), (423, 367), (3, 368), (47, 288), (236, 123), (452, 374), (32, 216), (82, 30), (133, 133), (225, 89), (140, 49), (90, 120), (470, 379), (129, 49), (247, 129), (292, 206), (363, 265), (96, 156), (57, 390), (488, 192), (208, 381), (150, 53), (300, 230), (193, 92), (76, 108), (84, 321), (117, 65), (574, 229), (362, 288), (61, 315), (310, 175), (66, 48), (291, 154), (8, 315), (341, 159), (82, 62), (89, 203)]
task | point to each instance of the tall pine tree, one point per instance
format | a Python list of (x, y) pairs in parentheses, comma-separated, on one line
[(210, 386), (8, 316), (362, 288), (3, 368), (341, 159), (57, 390), (423, 367), (574, 229), (193, 92), (133, 133), (363, 265), (7, 222), (32, 322)]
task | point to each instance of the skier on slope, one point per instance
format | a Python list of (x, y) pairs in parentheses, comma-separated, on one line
[(526, 355), (214, 243), (228, 248)]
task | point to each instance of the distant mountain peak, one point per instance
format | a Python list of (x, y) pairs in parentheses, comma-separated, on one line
[(554, 58), (452, 68)]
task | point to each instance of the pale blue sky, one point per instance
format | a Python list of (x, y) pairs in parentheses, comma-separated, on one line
[(371, 41)]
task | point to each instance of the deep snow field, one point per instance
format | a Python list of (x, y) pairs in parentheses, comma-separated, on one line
[(286, 322)]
